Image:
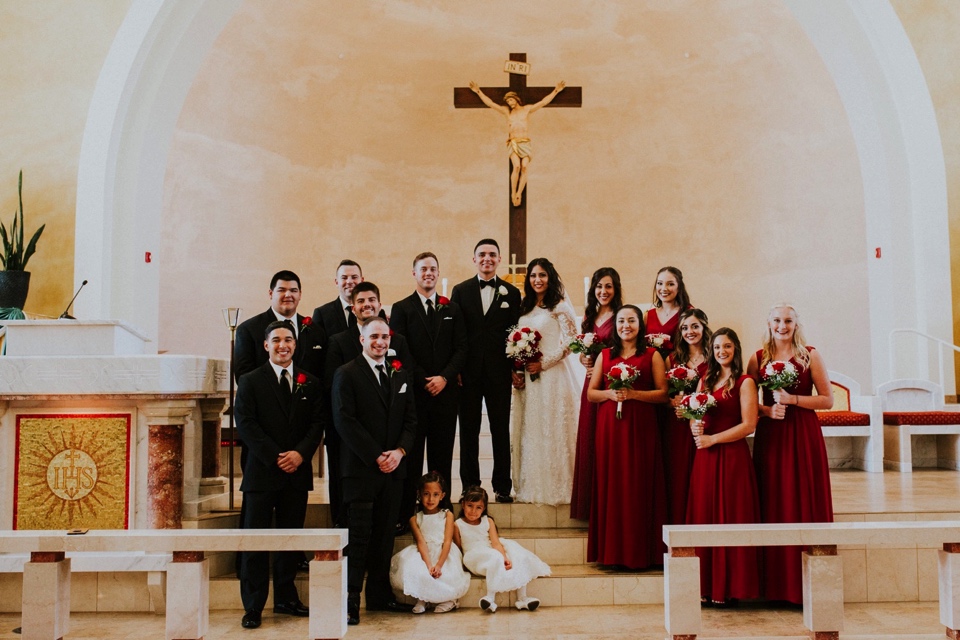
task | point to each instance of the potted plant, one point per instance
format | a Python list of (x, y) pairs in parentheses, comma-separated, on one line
[(14, 279)]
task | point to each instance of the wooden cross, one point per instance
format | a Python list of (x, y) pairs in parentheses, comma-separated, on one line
[(464, 98)]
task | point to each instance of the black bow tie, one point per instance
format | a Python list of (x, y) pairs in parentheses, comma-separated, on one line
[(488, 283)]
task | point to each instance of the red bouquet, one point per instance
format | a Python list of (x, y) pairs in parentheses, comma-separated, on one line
[(622, 376), (523, 345)]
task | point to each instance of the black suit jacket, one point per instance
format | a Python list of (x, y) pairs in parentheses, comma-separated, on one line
[(248, 351), (368, 422), (439, 352), (487, 333), (331, 317), (345, 346), (269, 427)]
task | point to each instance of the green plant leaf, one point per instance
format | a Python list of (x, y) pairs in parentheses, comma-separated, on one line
[(32, 246)]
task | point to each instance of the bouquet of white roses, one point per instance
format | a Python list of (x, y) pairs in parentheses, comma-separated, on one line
[(523, 345), (660, 340), (682, 380), (622, 376), (778, 375), (696, 405), (587, 344)]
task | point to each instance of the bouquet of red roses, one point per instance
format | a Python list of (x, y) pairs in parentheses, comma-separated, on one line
[(523, 345), (682, 379), (587, 344), (696, 405), (622, 376), (778, 375), (660, 341)]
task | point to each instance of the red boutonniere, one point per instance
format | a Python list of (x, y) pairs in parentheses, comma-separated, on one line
[(395, 367), (442, 301), (301, 382), (306, 323)]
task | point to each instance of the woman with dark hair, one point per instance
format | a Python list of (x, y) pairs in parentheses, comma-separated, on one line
[(543, 414), (693, 340), (629, 505), (670, 297), (723, 487), (604, 297)]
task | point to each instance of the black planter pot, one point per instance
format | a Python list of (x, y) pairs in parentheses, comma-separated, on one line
[(14, 286)]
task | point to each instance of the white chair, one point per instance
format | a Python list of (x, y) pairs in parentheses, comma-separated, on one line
[(915, 408), (857, 420)]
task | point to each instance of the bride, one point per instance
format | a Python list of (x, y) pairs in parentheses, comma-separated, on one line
[(543, 413)]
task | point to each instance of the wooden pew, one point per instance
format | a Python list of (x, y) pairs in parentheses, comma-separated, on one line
[(46, 578), (822, 567)]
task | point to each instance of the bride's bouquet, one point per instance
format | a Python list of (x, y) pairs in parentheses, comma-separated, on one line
[(696, 405), (622, 376), (523, 345), (778, 375), (660, 340), (587, 344), (682, 380)]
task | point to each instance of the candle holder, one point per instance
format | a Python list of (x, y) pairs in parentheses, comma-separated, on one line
[(231, 317)]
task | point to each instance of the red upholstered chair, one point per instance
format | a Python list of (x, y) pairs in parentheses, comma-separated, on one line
[(852, 429), (915, 408)]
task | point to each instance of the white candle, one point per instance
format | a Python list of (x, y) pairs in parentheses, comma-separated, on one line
[(443, 283), (586, 292)]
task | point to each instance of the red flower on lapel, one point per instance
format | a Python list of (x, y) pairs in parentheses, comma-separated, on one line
[(395, 367), (301, 382), (306, 323), (442, 301)]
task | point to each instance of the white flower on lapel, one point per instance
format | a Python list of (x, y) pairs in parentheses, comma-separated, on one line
[(502, 290)]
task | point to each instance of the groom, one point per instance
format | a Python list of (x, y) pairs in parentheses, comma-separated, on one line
[(490, 307)]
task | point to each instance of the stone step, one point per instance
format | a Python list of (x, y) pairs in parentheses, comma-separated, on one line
[(567, 586)]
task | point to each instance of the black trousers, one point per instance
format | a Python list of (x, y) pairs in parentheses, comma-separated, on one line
[(371, 504), (288, 507), (497, 395), (334, 482), (437, 432)]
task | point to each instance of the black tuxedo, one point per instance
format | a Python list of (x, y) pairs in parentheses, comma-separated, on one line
[(333, 319), (486, 376), (440, 349), (343, 348), (248, 351), (370, 422), (271, 423)]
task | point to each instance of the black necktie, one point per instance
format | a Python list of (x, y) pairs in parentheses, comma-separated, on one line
[(285, 391), (431, 312), (351, 319), (384, 380), (488, 283)]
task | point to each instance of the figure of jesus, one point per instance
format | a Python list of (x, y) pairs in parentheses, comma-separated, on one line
[(518, 138)]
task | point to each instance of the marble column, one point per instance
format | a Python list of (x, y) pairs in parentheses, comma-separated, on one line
[(212, 481), (823, 592), (949, 576), (681, 593), (46, 596), (188, 596), (328, 584), (165, 458)]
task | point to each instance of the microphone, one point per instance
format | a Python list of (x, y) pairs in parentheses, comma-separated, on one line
[(65, 315)]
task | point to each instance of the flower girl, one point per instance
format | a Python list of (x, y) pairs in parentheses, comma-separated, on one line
[(505, 564), (431, 569)]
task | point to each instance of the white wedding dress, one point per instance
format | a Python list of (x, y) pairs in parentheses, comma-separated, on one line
[(543, 416)]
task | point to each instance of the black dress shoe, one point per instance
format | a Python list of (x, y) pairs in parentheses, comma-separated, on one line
[(504, 498), (392, 605), (251, 619), (292, 608), (353, 608), (401, 529), (303, 566)]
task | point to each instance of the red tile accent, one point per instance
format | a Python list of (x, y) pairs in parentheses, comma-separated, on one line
[(822, 550), (826, 635), (328, 555), (951, 547), (682, 552), (188, 556), (46, 556)]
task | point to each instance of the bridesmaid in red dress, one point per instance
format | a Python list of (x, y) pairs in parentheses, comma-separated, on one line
[(603, 299), (723, 488), (789, 454), (629, 505), (669, 299), (693, 341)]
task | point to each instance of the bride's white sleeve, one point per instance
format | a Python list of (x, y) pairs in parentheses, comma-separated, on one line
[(563, 314)]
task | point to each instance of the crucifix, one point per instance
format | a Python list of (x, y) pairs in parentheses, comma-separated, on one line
[(516, 102)]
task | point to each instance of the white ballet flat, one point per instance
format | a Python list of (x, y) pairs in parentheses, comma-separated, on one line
[(420, 607), (444, 607), (488, 605), (530, 604)]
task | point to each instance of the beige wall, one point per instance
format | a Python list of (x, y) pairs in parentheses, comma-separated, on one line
[(51, 52), (711, 138), (933, 27)]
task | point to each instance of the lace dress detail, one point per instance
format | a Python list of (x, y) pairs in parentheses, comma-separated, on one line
[(483, 560), (409, 573), (543, 416)]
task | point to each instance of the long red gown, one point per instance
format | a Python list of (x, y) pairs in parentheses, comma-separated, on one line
[(793, 476), (629, 506), (586, 434), (678, 452), (723, 490), (669, 328)]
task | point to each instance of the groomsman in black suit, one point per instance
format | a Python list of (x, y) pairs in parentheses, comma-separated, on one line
[(375, 415), (490, 307), (279, 411), (342, 348), (337, 315), (284, 293), (434, 327)]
